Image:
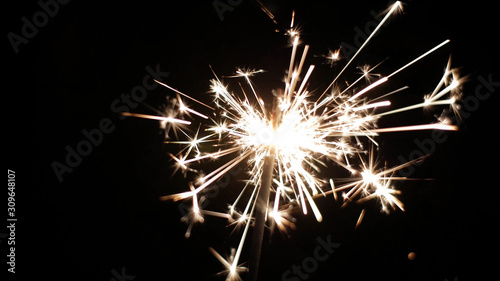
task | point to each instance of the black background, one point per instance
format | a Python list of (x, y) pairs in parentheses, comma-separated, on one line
[(105, 215)]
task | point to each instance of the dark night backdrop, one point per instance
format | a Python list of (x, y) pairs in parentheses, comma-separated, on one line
[(105, 215)]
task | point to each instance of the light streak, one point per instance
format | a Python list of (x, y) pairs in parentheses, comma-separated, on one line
[(159, 118), (394, 8)]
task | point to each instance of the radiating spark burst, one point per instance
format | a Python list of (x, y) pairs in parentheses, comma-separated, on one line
[(303, 134), (332, 57)]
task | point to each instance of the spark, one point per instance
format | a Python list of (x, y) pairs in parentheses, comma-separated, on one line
[(160, 118), (332, 57), (397, 6), (232, 269), (303, 135), (360, 218)]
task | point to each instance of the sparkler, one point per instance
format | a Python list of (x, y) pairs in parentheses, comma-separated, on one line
[(286, 147)]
